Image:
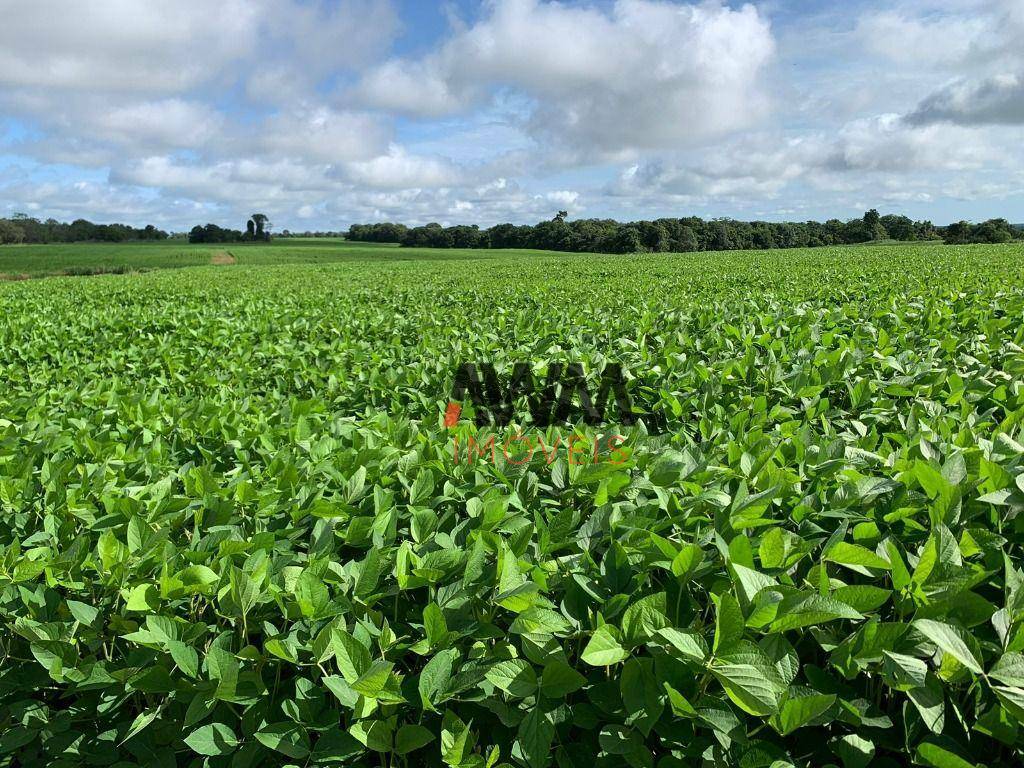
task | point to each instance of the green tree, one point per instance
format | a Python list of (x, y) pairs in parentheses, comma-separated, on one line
[(10, 233), (262, 226), (873, 225)]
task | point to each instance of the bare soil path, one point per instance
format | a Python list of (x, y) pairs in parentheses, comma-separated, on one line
[(222, 257)]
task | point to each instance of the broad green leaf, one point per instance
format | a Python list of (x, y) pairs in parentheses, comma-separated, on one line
[(435, 677), (604, 648), (212, 740), (797, 710), (353, 657), (409, 738), (515, 677), (728, 623), (952, 640), (804, 610), (559, 680), (690, 645), (534, 739), (287, 738), (846, 553)]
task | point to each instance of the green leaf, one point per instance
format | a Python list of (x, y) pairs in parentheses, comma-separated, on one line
[(435, 625), (845, 553), (772, 549), (287, 738), (855, 751), (644, 617), (687, 561), (804, 610), (434, 679), (140, 723), (198, 579), (143, 598), (952, 640), (930, 702), (604, 648), (941, 752), (457, 740), (223, 667), (863, 598), (728, 623), (83, 613), (800, 708), (559, 680), (534, 739), (353, 657), (689, 644), (311, 594), (185, 657), (374, 680), (412, 737), (1009, 670), (212, 740), (751, 681), (514, 677), (375, 735)]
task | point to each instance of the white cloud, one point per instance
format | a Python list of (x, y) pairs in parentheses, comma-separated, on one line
[(151, 47), (649, 73), (768, 164), (996, 100), (322, 134), (398, 169), (121, 45), (887, 143), (166, 123), (954, 35), (915, 41)]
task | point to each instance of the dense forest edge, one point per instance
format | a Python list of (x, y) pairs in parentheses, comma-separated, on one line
[(685, 234), (25, 229), (559, 234)]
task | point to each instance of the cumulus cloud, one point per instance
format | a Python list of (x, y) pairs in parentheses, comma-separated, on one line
[(886, 143), (109, 82), (399, 169), (647, 73), (156, 47), (765, 165), (958, 34), (121, 45), (913, 41), (322, 134), (996, 100)]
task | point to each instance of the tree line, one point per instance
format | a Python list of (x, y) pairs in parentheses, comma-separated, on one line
[(681, 235), (25, 229), (257, 230)]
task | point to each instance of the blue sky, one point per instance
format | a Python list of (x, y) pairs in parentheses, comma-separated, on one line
[(322, 113)]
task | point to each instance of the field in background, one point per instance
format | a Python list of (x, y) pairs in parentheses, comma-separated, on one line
[(98, 258), (235, 531), (80, 259)]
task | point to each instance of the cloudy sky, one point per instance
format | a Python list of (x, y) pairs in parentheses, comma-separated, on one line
[(326, 112)]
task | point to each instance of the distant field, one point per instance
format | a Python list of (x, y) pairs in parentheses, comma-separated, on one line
[(75, 259), (94, 258)]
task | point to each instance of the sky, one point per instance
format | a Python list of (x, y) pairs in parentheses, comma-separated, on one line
[(324, 113)]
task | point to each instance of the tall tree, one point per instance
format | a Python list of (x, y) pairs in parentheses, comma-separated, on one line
[(262, 226)]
